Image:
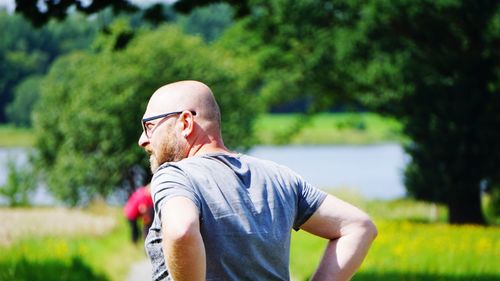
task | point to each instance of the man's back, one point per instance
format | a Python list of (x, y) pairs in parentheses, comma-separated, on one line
[(222, 216), (247, 209)]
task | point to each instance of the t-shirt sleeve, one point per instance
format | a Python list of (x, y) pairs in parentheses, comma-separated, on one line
[(309, 200), (168, 182)]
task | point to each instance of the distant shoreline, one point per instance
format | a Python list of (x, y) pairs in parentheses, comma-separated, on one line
[(283, 129)]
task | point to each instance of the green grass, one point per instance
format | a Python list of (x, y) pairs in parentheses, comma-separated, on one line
[(96, 257), (16, 137), (414, 243), (327, 128), (414, 251)]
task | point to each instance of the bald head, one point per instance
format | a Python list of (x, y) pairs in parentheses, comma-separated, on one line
[(182, 119), (187, 95)]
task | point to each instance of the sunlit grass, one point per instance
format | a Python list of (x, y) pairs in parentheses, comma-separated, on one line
[(410, 251), (91, 250), (16, 137), (327, 128), (414, 243)]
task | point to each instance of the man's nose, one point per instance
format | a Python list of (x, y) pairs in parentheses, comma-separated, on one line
[(143, 140)]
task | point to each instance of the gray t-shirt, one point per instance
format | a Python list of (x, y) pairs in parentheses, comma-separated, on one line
[(248, 207)]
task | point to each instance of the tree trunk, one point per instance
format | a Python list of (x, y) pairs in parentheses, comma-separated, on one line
[(464, 206)]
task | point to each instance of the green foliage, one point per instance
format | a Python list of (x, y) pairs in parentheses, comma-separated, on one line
[(491, 205), (87, 145), (116, 36), (25, 96), (295, 45), (19, 55), (442, 85), (40, 14), (20, 183), (26, 51), (208, 22), (74, 270)]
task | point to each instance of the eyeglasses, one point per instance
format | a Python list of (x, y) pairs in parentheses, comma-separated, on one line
[(149, 128)]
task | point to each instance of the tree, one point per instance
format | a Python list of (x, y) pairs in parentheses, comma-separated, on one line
[(444, 85), (87, 121), (25, 51), (25, 96), (299, 49), (208, 22), (41, 12), (20, 183), (432, 64), (20, 55)]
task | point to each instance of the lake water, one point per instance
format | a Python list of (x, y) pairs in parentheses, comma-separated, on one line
[(20, 156), (375, 171)]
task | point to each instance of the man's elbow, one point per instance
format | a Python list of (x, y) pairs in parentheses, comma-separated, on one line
[(181, 233), (369, 229), (363, 228)]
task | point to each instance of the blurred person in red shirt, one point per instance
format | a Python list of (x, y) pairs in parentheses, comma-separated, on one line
[(139, 205)]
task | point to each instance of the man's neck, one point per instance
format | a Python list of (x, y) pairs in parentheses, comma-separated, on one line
[(212, 146)]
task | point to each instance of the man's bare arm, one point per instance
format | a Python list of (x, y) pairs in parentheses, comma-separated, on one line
[(182, 242), (350, 232)]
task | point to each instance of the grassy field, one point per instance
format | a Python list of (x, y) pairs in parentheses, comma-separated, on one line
[(414, 243), (275, 129), (63, 244), (408, 251), (16, 137), (328, 128)]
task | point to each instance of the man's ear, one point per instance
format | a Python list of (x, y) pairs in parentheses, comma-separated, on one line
[(187, 123)]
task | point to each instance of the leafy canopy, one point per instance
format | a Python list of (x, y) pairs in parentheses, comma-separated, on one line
[(88, 118), (434, 65)]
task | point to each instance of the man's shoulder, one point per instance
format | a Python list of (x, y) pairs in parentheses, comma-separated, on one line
[(190, 165)]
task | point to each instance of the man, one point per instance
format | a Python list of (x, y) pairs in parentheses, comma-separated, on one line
[(220, 215)]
